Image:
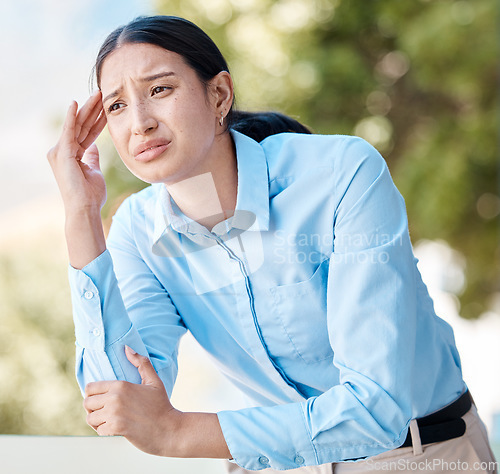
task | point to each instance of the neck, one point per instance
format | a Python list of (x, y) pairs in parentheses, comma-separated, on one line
[(210, 197)]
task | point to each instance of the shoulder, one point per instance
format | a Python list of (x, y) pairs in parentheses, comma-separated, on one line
[(137, 202), (290, 153), (137, 211)]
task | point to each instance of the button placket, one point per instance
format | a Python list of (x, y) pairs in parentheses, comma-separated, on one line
[(278, 375)]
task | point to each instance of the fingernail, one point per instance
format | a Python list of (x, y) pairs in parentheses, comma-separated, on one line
[(130, 350)]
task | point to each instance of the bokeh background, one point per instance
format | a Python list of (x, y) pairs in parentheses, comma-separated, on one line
[(419, 80)]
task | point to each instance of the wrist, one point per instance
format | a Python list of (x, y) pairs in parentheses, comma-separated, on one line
[(175, 434), (194, 435), (76, 212), (84, 237)]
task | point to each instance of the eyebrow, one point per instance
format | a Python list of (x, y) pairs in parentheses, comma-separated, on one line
[(144, 79)]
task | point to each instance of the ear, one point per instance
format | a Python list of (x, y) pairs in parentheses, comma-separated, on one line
[(221, 87)]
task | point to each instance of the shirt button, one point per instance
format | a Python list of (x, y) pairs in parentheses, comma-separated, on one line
[(263, 460), (299, 460), (96, 332), (88, 295)]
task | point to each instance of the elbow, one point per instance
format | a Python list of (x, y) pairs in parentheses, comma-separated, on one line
[(393, 427), (389, 413), (394, 436)]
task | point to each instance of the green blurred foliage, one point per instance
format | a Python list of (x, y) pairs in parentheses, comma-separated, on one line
[(38, 393)]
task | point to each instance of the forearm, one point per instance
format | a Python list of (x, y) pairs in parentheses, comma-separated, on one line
[(199, 436), (84, 236)]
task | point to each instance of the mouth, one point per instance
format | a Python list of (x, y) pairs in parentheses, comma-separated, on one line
[(150, 150)]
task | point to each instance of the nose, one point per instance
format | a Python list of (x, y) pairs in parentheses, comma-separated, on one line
[(143, 120)]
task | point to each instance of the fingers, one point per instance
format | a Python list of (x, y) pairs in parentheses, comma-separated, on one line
[(66, 145), (68, 132), (94, 402), (104, 430), (81, 128), (107, 421), (91, 157), (95, 130), (146, 370), (87, 116), (86, 119), (90, 122), (96, 419), (96, 388)]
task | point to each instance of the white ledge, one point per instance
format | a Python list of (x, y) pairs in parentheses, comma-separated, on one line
[(91, 455)]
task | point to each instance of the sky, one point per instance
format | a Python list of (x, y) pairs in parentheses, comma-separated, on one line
[(47, 49)]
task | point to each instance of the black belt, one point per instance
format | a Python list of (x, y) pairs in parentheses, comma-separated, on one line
[(444, 424)]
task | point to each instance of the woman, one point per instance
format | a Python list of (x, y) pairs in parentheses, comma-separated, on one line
[(286, 255)]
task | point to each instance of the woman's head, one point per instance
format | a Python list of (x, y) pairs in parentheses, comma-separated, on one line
[(173, 34), (180, 109), (165, 86)]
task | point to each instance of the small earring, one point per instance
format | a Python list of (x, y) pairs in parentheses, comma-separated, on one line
[(221, 120)]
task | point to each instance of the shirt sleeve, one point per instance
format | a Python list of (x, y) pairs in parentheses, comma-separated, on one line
[(133, 309), (371, 317)]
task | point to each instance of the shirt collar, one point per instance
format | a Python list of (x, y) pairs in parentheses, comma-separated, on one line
[(252, 200)]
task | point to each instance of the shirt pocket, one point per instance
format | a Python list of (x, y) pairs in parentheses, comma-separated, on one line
[(301, 309)]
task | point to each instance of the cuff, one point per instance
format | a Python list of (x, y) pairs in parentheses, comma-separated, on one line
[(98, 310), (268, 437)]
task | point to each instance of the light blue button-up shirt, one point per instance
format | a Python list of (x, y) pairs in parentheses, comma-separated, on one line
[(308, 299)]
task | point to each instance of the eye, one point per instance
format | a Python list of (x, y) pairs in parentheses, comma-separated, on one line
[(158, 89), (115, 106)]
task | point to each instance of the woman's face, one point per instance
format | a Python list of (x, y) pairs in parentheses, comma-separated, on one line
[(162, 121)]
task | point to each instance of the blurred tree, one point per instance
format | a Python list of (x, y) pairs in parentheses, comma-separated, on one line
[(38, 393)]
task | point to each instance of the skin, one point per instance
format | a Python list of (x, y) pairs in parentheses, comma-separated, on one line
[(179, 110)]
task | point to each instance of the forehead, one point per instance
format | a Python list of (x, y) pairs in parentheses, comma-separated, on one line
[(136, 61)]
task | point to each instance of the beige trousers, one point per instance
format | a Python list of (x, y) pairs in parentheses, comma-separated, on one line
[(469, 453)]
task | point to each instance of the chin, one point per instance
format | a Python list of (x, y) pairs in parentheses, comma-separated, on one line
[(151, 175), (151, 179)]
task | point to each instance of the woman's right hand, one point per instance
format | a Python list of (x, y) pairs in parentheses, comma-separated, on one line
[(75, 164), (75, 158)]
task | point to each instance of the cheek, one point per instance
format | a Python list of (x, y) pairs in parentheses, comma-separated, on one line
[(119, 137), (194, 111), (201, 126)]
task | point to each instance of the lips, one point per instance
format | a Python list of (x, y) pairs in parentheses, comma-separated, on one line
[(150, 149)]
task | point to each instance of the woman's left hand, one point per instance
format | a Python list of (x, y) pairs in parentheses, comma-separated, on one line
[(141, 413)]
